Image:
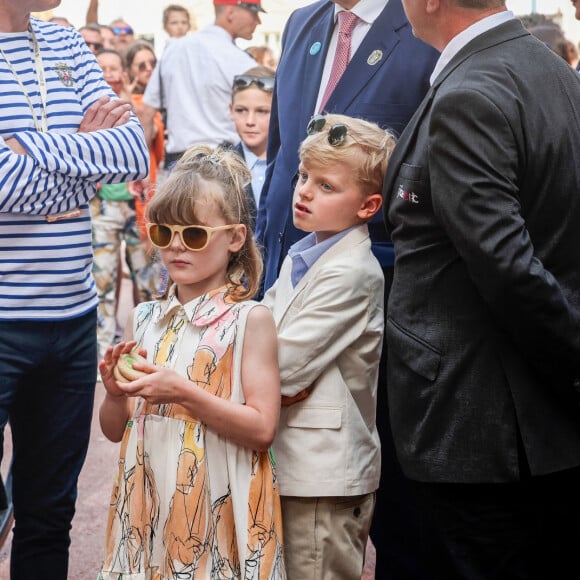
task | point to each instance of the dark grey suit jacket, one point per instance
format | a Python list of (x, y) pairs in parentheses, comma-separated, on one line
[(482, 200)]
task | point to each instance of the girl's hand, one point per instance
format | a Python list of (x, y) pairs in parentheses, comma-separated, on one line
[(109, 362), (160, 386)]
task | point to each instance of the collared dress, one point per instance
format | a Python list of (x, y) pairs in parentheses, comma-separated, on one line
[(188, 503)]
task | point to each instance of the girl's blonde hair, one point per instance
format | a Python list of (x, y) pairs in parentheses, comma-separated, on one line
[(218, 178), (366, 150)]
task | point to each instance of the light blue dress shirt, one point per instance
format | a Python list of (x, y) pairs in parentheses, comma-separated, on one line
[(306, 251)]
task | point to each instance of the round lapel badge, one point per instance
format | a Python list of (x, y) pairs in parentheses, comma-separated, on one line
[(315, 48), (374, 57)]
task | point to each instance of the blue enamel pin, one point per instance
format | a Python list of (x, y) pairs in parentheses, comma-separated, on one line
[(315, 48)]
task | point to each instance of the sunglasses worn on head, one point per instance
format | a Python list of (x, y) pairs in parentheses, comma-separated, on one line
[(122, 30), (253, 7), (336, 134), (146, 64), (195, 238), (244, 81)]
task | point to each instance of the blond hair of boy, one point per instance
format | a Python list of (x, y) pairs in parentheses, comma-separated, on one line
[(364, 146), (250, 111)]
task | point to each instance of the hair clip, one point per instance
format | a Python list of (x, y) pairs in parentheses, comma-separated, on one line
[(213, 158)]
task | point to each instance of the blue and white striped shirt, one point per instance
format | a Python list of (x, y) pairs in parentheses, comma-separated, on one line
[(45, 268)]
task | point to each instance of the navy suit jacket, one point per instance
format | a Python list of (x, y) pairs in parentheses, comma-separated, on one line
[(386, 92)]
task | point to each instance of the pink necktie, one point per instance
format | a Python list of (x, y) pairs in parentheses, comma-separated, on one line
[(346, 23)]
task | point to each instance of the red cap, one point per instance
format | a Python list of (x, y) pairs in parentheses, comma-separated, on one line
[(253, 5)]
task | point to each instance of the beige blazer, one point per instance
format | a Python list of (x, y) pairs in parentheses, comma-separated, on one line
[(330, 332)]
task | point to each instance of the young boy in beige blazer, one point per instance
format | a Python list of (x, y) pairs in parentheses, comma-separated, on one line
[(328, 308)]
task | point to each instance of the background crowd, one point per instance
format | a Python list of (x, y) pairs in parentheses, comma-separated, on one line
[(476, 404)]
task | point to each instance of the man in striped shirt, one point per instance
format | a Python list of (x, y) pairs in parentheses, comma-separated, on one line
[(61, 132)]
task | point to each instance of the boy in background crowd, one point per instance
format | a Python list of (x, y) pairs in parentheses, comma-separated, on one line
[(250, 112)]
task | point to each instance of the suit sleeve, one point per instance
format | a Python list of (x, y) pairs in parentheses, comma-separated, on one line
[(274, 143), (273, 148), (475, 161), (334, 313), (269, 298)]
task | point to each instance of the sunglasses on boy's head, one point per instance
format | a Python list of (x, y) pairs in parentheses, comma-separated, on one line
[(244, 81), (336, 134), (122, 30), (194, 238)]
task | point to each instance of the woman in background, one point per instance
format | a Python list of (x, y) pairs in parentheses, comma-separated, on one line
[(139, 62)]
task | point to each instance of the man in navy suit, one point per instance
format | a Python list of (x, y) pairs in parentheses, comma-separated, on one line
[(384, 82)]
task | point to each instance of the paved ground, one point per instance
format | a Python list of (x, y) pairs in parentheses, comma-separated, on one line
[(94, 491)]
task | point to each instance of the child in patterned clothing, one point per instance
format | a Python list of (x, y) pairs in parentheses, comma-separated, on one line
[(196, 496)]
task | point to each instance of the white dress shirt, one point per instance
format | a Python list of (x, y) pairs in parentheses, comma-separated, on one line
[(465, 37), (198, 72), (367, 12)]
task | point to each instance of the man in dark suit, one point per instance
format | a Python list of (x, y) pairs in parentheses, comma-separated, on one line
[(482, 200), (384, 82)]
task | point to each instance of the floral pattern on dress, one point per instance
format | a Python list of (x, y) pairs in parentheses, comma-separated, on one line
[(188, 503)]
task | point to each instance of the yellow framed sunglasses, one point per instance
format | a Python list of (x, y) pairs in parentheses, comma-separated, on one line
[(195, 238)]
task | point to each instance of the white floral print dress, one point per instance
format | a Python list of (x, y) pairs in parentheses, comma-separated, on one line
[(187, 503)]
